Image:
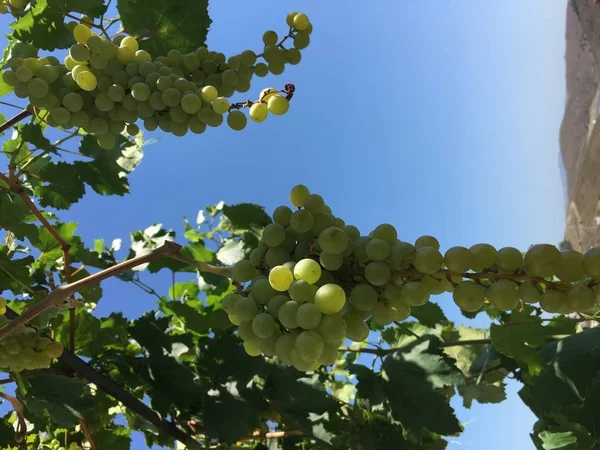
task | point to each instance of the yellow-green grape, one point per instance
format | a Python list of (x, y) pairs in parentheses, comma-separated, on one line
[(54, 349), (591, 262), (237, 120), (234, 319), (282, 215), (281, 278), (220, 105), (541, 260), (377, 273), (243, 271), (78, 69), (302, 292), (509, 259), (427, 241), (428, 260), (285, 346), (87, 81), (132, 129), (277, 256), (278, 105), (124, 55), (2, 306), (130, 42), (330, 298), (333, 240), (298, 194), (273, 235), (401, 312), (484, 256), (259, 112), (302, 221), (141, 56), (309, 345), (246, 308), (301, 22), (60, 115), (107, 141), (252, 347), (356, 329), (262, 291), (414, 294), (79, 53), (266, 94), (287, 314), (229, 301), (270, 38), (329, 355), (553, 301), (209, 93), (580, 298), (503, 295), (245, 331), (382, 314), (301, 41), (332, 328), (308, 316), (377, 250), (401, 254), (469, 296), (81, 33), (458, 259), (275, 303), (263, 325), (529, 293), (308, 270), (267, 346), (570, 267), (331, 261)]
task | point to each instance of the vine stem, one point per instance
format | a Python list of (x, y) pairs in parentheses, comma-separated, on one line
[(87, 434), (16, 119), (272, 434), (18, 407)]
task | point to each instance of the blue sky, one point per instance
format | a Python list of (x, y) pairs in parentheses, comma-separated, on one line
[(439, 117)]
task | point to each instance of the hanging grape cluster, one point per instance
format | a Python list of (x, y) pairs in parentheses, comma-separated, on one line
[(25, 348), (314, 281), (105, 87), (18, 5)]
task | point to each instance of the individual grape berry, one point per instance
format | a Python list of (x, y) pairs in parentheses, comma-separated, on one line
[(259, 112), (377, 249), (270, 38), (298, 194), (308, 316), (469, 296), (263, 325), (273, 235), (301, 21), (309, 345), (301, 41), (237, 120), (414, 294), (553, 301), (591, 262), (209, 93), (252, 347), (529, 293), (581, 298), (220, 105), (330, 298), (401, 254), (356, 329), (377, 273), (282, 215), (484, 257), (246, 308), (458, 259), (278, 105), (570, 266), (302, 292), (503, 295), (363, 297), (280, 278), (243, 271), (541, 260), (427, 241), (81, 33), (333, 240), (275, 304), (428, 260), (509, 259), (302, 221), (287, 314), (332, 328), (229, 301), (308, 270)]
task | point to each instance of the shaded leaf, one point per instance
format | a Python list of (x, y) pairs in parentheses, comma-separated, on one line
[(483, 393), (246, 215), (32, 133), (558, 441), (62, 186), (430, 314)]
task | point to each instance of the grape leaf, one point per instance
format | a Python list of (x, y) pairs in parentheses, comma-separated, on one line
[(12, 217), (32, 133), (62, 186), (166, 24), (465, 355), (231, 252), (246, 215), (43, 25), (440, 369), (590, 413), (483, 393), (114, 438), (184, 289), (429, 314), (558, 441), (196, 321), (64, 399)]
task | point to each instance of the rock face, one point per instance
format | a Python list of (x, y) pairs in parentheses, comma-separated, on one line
[(580, 129)]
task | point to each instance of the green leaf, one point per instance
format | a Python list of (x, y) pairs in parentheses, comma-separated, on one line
[(430, 314), (113, 438), (32, 133), (518, 339), (63, 399), (43, 24), (377, 434), (558, 441), (200, 322), (483, 393), (465, 355), (62, 186), (590, 413), (106, 173), (184, 289), (231, 252), (246, 215), (166, 24), (13, 213), (49, 245)]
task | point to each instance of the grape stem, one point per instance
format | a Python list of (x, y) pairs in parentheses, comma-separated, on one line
[(87, 434), (16, 119), (21, 430)]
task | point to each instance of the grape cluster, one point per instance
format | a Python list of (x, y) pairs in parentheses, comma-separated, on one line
[(55, 444), (25, 349), (16, 4), (105, 87), (314, 281)]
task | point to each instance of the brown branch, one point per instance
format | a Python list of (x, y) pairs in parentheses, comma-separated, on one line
[(7, 381), (87, 434), (16, 119), (204, 267), (18, 407), (272, 434)]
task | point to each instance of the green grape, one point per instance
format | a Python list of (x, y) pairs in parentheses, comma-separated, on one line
[(308, 316), (81, 33), (87, 81), (263, 325), (237, 120), (151, 124), (314, 203), (99, 125), (377, 273), (331, 261), (220, 105), (209, 93), (570, 267), (301, 292), (191, 103), (301, 41), (458, 259), (273, 54), (329, 355), (23, 74), (245, 331), (285, 346), (309, 345), (282, 215), (228, 303), (287, 314), (246, 308), (400, 312), (275, 304), (262, 290), (178, 115), (300, 364), (541, 260), (401, 254), (360, 248), (229, 77), (302, 221), (277, 68), (503, 295), (37, 88), (351, 231), (509, 259), (53, 350), (552, 301), (73, 102), (234, 319), (141, 57), (141, 92), (10, 78), (528, 292), (252, 347), (356, 329), (363, 297), (103, 102), (124, 55), (268, 345), (276, 256), (80, 119), (333, 240), (330, 298), (130, 42), (377, 249), (427, 241), (289, 19), (278, 105), (164, 83), (385, 232), (299, 192), (293, 56), (434, 284), (322, 221), (106, 140), (261, 70), (469, 296), (171, 97), (393, 294), (581, 298), (382, 314), (196, 126), (243, 271), (591, 262), (414, 293), (132, 129), (308, 270), (428, 260), (484, 257), (79, 53), (270, 38), (60, 115), (332, 328), (280, 278), (301, 21)]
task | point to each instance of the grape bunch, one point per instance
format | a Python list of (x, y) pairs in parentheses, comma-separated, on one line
[(314, 281), (25, 349), (18, 5), (55, 444), (105, 87)]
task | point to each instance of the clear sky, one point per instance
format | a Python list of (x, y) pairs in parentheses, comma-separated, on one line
[(440, 117)]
